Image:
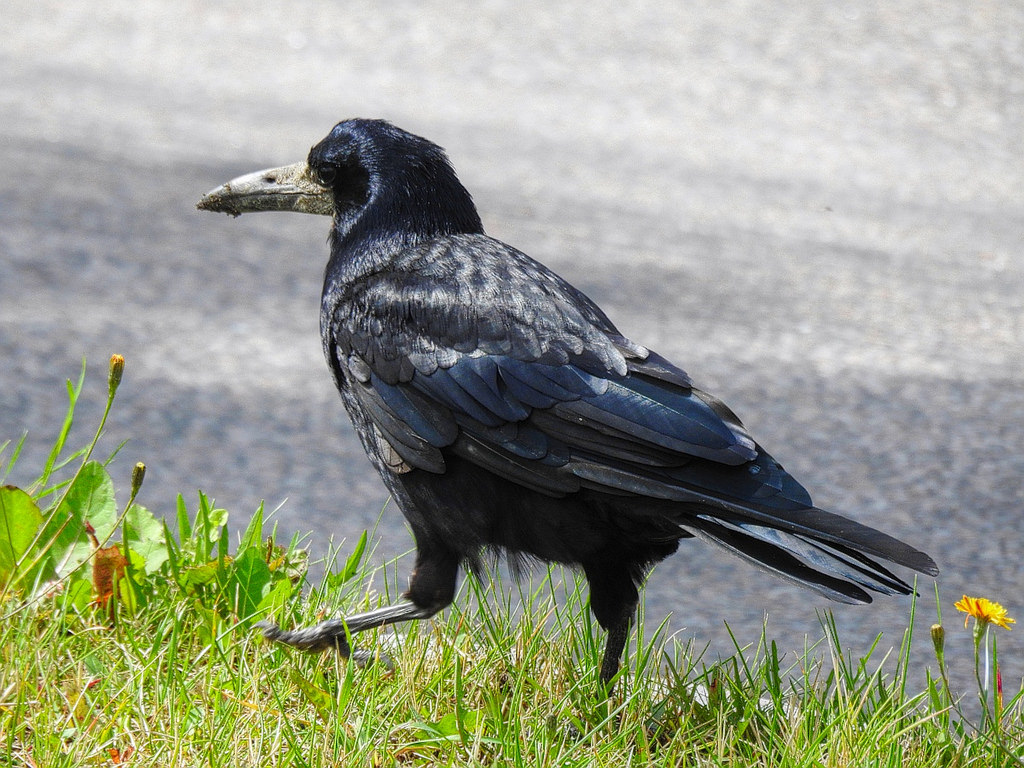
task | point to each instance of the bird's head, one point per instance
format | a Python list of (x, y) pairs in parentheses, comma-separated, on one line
[(361, 166)]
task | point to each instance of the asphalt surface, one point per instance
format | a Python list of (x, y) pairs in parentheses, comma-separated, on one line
[(814, 208)]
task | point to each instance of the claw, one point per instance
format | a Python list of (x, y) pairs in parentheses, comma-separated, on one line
[(326, 636)]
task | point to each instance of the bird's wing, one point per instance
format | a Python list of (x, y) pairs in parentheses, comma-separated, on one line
[(469, 344)]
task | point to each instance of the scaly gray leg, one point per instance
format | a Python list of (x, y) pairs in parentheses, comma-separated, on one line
[(614, 645), (333, 633)]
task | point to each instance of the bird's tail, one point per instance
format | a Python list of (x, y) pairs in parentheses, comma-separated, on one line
[(820, 550)]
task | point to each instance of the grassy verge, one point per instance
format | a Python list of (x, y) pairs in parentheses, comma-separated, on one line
[(128, 641)]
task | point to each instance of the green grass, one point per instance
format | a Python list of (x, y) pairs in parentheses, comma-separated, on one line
[(167, 670)]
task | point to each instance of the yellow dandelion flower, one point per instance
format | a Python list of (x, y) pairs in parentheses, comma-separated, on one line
[(985, 611)]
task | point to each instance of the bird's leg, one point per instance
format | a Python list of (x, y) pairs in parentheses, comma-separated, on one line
[(614, 645), (613, 599), (334, 633), (431, 588)]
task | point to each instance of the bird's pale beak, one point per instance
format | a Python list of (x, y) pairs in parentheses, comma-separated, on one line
[(291, 188)]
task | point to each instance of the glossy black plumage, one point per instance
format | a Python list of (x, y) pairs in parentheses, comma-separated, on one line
[(504, 410)]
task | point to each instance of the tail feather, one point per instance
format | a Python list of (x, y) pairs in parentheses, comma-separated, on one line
[(841, 561), (778, 562), (829, 527), (813, 523)]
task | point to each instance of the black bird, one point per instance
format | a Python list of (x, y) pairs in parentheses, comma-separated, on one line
[(505, 412)]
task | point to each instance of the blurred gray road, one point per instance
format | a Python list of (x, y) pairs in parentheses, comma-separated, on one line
[(814, 208)]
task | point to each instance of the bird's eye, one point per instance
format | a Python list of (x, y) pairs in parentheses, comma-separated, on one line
[(327, 174)]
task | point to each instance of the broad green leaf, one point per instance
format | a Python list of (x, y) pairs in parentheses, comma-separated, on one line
[(94, 665), (78, 594), (90, 499), (253, 536), (145, 535), (91, 496), (130, 594), (317, 696), (20, 519), (472, 722), (198, 575), (448, 725), (275, 599), (249, 579)]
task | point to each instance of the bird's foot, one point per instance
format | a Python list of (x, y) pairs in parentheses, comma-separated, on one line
[(325, 636)]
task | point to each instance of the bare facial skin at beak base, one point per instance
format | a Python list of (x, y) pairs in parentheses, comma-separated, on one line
[(290, 188)]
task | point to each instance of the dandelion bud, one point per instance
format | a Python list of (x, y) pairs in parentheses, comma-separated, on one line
[(116, 371), (138, 475), (938, 639)]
